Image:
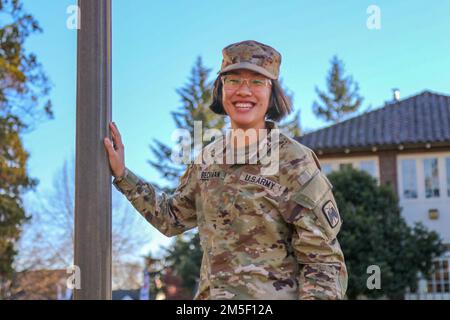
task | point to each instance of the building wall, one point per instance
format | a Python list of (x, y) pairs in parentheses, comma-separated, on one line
[(388, 164), (357, 161), (391, 171), (388, 169), (417, 209)]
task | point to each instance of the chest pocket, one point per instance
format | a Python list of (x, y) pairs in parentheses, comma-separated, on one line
[(259, 195), (218, 196), (211, 179)]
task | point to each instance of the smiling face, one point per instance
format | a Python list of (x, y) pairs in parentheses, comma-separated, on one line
[(246, 106)]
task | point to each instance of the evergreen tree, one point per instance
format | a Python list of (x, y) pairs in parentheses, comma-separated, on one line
[(185, 258), (375, 233), (292, 126), (195, 97), (22, 86), (184, 255), (342, 98)]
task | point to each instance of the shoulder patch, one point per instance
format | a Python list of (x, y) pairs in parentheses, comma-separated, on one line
[(331, 213)]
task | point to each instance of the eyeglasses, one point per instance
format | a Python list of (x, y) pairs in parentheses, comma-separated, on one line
[(234, 82)]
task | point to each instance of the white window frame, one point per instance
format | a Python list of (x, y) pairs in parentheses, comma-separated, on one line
[(423, 293), (401, 188), (355, 162), (442, 272), (447, 181), (432, 177), (420, 157)]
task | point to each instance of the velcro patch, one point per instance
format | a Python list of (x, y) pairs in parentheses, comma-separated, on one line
[(273, 187), (331, 213), (304, 177)]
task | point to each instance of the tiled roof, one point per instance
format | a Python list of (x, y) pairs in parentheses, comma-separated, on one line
[(423, 118)]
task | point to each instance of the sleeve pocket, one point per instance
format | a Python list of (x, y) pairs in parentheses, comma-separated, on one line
[(317, 196), (310, 194)]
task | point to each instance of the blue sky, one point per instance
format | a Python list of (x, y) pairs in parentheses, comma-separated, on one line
[(155, 44)]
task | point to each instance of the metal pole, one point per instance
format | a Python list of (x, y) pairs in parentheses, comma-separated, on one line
[(93, 176)]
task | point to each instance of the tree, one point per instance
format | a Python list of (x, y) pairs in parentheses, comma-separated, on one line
[(48, 238), (374, 233), (185, 258), (342, 99), (195, 98), (13, 180), (292, 126), (23, 85)]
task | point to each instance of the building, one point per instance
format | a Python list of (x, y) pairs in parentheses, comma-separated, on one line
[(405, 144)]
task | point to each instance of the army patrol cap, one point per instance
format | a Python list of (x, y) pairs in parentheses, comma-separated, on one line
[(251, 55)]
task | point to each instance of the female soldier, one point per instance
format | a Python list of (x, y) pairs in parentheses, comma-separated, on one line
[(263, 236)]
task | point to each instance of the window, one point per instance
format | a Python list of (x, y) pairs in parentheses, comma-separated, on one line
[(327, 168), (431, 175), (448, 176), (439, 282), (409, 178), (369, 167)]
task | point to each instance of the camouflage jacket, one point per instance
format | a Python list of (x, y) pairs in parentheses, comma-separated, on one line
[(263, 237)]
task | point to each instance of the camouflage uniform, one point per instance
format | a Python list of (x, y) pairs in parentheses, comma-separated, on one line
[(263, 237)]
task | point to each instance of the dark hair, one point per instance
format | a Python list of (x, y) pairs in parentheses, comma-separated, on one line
[(279, 104)]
